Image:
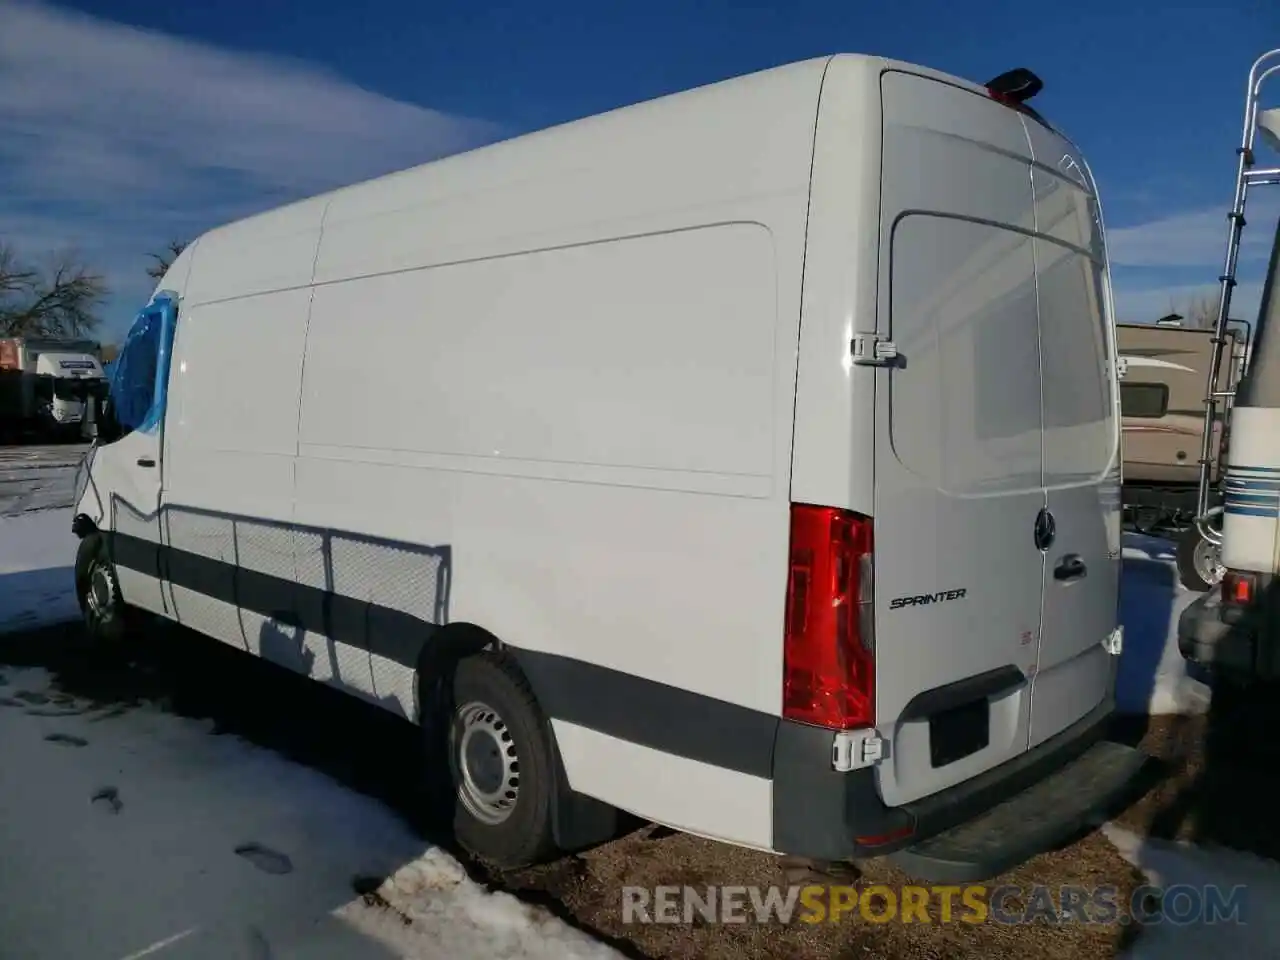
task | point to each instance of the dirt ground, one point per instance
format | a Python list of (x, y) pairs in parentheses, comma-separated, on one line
[(1214, 790), (588, 887)]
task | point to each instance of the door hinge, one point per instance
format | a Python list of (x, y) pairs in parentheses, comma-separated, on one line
[(855, 749), (1113, 642), (871, 350)]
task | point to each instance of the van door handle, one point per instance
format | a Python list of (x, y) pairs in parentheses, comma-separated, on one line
[(1070, 567), (146, 462)]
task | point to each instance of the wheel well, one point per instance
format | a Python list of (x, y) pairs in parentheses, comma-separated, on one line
[(578, 821), (89, 541), (82, 525), (440, 654)]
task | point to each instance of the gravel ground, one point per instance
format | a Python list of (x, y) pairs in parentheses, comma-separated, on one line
[(588, 887)]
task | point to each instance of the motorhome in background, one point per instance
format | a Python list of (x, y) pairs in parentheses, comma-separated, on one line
[(44, 382), (1163, 370), (758, 474), (1234, 631)]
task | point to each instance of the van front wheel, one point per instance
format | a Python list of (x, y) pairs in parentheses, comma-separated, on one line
[(501, 764), (98, 592)]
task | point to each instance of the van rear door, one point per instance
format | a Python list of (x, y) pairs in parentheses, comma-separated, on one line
[(1081, 445), (959, 491)]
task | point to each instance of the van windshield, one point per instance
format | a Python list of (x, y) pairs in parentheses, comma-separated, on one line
[(133, 380)]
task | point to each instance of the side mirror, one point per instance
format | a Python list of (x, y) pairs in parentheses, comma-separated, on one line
[(89, 422)]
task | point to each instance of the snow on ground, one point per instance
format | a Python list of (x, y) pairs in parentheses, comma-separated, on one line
[(37, 557), (130, 833), (1167, 864)]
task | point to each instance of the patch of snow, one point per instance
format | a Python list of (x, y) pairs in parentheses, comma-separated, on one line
[(1167, 864), (1141, 546), (37, 558), (1153, 676), (141, 834)]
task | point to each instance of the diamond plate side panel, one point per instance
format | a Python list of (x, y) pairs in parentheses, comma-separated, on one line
[(340, 664)]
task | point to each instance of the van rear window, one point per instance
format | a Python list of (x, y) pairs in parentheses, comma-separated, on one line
[(1150, 400)]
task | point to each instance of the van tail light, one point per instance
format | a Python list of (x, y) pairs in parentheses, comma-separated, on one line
[(829, 649)]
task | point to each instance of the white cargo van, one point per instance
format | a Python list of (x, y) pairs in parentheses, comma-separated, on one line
[(749, 463)]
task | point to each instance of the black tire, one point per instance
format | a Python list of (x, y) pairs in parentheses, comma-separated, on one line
[(1190, 548), (491, 699), (106, 618), (1146, 520)]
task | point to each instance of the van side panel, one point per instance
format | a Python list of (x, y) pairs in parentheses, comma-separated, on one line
[(832, 462), (270, 252), (588, 433), (679, 161), (546, 388), (633, 372), (231, 438), (648, 359), (575, 381)]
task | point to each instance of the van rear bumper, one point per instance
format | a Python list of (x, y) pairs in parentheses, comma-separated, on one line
[(970, 832)]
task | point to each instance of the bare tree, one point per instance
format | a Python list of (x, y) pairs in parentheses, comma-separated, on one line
[(1199, 312), (60, 299), (163, 261)]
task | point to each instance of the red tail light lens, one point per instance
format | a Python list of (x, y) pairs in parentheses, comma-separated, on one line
[(1237, 588), (829, 650)]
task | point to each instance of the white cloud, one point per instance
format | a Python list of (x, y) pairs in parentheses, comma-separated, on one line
[(116, 139), (1197, 238)]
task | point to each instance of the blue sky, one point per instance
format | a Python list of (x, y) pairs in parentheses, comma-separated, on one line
[(126, 122)]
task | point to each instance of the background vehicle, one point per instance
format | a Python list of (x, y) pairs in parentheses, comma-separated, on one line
[(758, 470), (1235, 630), (44, 382), (1164, 368)]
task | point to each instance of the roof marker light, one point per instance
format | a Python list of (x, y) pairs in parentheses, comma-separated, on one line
[(1015, 87)]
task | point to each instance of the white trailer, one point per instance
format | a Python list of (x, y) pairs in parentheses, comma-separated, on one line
[(753, 467)]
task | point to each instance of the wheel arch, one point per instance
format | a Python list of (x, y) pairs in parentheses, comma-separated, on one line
[(578, 821), (83, 525)]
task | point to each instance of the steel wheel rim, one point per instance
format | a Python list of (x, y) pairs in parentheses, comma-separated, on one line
[(100, 592), (1207, 563), (488, 766)]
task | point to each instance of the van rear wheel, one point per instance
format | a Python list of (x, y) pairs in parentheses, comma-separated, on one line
[(1199, 561), (501, 764)]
